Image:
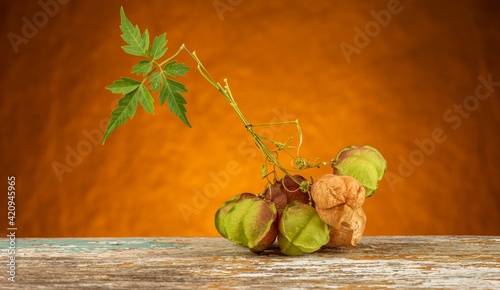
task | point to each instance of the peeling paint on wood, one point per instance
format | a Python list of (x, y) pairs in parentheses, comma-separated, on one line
[(390, 262), (92, 245)]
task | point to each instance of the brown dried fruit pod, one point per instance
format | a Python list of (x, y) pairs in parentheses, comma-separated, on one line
[(351, 232), (274, 194), (337, 198), (292, 189), (286, 191)]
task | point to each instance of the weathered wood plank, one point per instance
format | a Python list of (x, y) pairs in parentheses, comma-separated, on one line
[(407, 262)]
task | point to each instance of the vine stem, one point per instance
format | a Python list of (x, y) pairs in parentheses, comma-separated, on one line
[(226, 92), (296, 122), (159, 65)]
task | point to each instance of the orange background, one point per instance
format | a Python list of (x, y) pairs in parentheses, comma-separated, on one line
[(283, 61)]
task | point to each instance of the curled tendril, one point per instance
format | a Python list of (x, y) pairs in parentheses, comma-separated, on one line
[(284, 186), (304, 186), (299, 163)]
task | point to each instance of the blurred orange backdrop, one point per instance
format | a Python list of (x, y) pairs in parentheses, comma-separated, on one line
[(418, 80)]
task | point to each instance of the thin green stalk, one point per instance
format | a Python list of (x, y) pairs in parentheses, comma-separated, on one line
[(276, 123), (226, 92), (168, 59)]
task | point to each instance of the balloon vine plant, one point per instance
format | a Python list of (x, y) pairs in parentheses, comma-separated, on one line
[(302, 215)]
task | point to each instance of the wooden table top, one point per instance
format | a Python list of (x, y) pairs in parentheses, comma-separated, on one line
[(380, 262)]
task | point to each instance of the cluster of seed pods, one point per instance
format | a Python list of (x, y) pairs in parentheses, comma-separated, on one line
[(304, 217)]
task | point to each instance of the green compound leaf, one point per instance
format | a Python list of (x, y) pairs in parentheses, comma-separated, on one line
[(138, 45), (145, 99), (136, 92), (171, 91), (126, 109), (125, 86), (156, 80), (158, 48), (172, 69), (143, 67)]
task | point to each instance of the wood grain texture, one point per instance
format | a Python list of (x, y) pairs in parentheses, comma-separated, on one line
[(389, 262), (154, 177)]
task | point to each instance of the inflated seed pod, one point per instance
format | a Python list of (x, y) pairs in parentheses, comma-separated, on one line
[(364, 163), (276, 195), (301, 229), (224, 208), (253, 223), (337, 198), (350, 232), (292, 189)]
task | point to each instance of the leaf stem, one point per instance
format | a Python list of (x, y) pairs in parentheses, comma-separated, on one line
[(168, 59), (276, 123)]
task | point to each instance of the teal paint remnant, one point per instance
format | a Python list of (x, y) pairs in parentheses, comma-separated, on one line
[(93, 245)]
